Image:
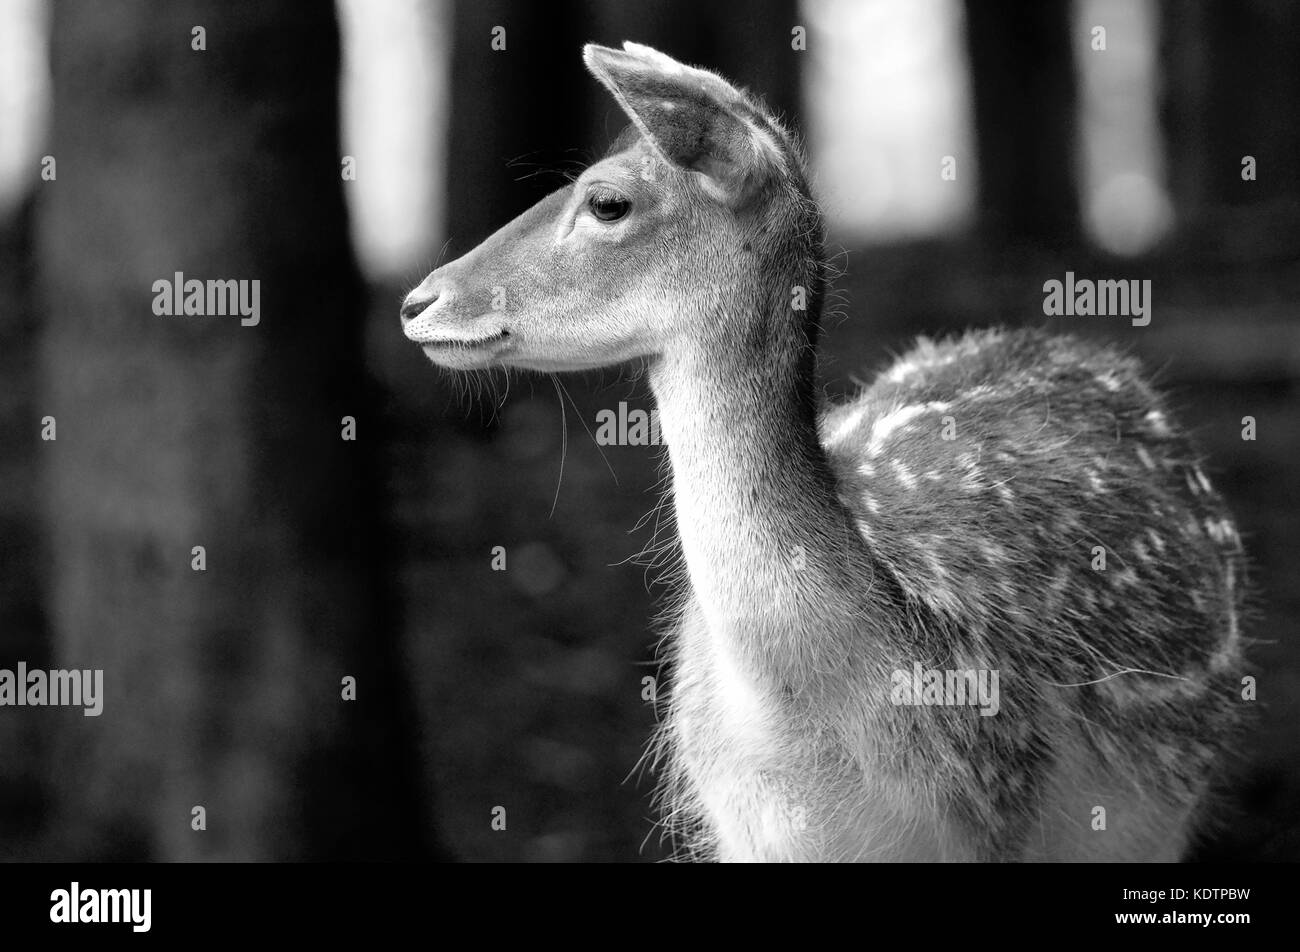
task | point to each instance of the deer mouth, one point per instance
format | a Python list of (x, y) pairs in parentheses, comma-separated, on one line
[(453, 344), (466, 353)]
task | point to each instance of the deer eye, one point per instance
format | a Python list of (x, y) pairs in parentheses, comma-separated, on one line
[(606, 206)]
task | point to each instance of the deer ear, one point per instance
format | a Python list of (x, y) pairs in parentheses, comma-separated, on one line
[(694, 119)]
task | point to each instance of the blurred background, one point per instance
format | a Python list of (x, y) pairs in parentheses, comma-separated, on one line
[(337, 153)]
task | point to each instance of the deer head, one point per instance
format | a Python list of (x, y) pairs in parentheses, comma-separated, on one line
[(690, 234)]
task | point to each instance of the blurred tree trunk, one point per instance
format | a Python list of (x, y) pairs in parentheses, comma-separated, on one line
[(1023, 83), (1230, 72), (23, 634), (515, 121), (222, 687)]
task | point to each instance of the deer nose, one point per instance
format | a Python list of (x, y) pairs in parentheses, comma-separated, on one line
[(415, 303)]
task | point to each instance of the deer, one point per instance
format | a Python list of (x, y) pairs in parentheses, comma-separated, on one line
[(1005, 508)]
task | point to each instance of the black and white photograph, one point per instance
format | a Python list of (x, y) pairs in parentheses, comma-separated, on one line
[(493, 431)]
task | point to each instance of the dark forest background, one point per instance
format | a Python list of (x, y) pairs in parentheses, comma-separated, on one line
[(372, 558)]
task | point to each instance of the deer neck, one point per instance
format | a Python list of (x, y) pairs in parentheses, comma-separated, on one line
[(765, 538)]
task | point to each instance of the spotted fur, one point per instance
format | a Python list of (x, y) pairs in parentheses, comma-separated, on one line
[(1119, 685)]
